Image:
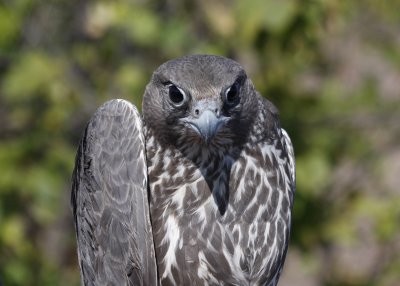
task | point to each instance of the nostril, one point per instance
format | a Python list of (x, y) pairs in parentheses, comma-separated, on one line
[(196, 111)]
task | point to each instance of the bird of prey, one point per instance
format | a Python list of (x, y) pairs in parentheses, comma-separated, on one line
[(196, 191)]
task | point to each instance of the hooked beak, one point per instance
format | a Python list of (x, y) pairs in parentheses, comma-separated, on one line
[(207, 123)]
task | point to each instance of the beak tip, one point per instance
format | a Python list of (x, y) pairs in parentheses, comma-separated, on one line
[(207, 125)]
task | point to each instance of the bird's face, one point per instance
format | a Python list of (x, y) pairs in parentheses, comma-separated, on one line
[(203, 99)]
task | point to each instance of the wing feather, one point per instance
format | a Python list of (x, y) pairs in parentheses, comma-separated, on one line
[(290, 152), (110, 201)]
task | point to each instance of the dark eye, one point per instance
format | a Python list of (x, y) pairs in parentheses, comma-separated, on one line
[(232, 94), (176, 95)]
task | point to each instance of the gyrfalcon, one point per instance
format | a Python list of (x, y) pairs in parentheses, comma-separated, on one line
[(196, 191)]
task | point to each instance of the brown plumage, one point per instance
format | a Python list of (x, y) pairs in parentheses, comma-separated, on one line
[(220, 174)]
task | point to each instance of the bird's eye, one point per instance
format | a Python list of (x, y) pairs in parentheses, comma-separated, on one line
[(232, 94), (176, 95)]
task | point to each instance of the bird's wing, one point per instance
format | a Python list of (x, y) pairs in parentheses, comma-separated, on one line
[(287, 143), (110, 201)]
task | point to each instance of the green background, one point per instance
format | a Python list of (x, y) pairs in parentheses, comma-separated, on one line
[(331, 67)]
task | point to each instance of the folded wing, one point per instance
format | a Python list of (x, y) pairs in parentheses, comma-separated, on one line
[(110, 200)]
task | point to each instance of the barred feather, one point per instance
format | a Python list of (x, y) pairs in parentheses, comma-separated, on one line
[(109, 199)]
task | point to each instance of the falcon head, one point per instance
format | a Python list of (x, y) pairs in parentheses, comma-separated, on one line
[(200, 100)]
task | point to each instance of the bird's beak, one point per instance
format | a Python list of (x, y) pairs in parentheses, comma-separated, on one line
[(207, 122)]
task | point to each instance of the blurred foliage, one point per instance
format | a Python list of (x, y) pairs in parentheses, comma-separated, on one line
[(331, 67)]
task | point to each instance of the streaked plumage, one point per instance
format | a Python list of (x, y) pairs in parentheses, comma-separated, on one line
[(220, 177)]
